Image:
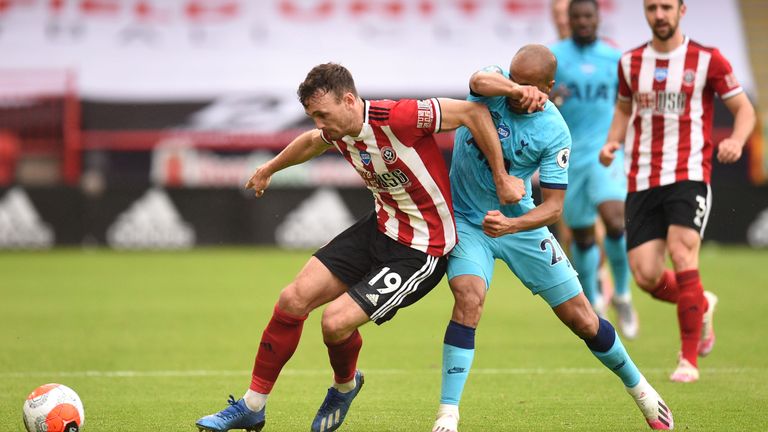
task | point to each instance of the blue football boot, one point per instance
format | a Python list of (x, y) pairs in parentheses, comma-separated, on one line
[(335, 406), (236, 416)]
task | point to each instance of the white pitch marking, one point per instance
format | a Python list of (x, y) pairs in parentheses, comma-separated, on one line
[(321, 372)]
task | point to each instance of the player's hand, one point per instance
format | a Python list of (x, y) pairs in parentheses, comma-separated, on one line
[(509, 189), (495, 224), (729, 150), (259, 181), (607, 152), (529, 98)]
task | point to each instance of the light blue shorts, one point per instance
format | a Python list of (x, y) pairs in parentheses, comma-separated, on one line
[(534, 256), (591, 186)]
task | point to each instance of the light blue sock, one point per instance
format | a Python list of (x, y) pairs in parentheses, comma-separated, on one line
[(607, 347), (586, 261), (458, 352), (616, 251)]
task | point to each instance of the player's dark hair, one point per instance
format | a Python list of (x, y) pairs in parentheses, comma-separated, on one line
[(326, 78), (574, 2)]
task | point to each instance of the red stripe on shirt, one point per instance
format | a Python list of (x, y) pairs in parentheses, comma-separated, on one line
[(657, 127), (684, 128)]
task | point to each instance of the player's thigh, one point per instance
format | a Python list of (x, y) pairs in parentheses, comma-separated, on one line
[(578, 208), (647, 262), (400, 277), (644, 217), (314, 286), (536, 258), (472, 255), (683, 244)]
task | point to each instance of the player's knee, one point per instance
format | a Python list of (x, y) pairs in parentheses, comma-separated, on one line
[(332, 326), (585, 327), (292, 301), (468, 297), (682, 256), (584, 238), (614, 228)]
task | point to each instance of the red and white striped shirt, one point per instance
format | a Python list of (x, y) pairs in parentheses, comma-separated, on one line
[(401, 164), (669, 138)]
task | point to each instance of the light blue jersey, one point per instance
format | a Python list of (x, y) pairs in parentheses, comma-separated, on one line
[(530, 142), (590, 75)]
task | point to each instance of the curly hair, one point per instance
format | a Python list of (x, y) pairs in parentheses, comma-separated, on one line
[(326, 78)]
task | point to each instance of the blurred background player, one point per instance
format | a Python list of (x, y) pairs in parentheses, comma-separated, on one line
[(560, 18), (586, 86), (386, 261), (664, 118), (518, 235)]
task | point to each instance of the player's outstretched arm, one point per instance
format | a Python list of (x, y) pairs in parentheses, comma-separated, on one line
[(495, 84), (495, 224), (477, 119), (303, 148), (729, 150), (617, 132)]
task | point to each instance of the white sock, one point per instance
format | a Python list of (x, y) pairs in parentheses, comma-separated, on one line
[(345, 387), (623, 298), (641, 389), (255, 401), (447, 409)]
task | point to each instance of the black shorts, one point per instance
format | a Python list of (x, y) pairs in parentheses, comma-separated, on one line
[(650, 212), (382, 274)]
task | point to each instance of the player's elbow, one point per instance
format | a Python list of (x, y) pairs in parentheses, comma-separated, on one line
[(479, 82), (557, 213)]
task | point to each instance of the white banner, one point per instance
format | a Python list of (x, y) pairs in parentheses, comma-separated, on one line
[(188, 49)]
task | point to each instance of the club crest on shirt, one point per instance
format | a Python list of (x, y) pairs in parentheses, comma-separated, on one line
[(365, 157), (389, 155), (660, 74), (689, 76), (562, 158)]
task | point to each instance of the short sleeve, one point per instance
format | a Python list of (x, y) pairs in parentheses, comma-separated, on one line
[(415, 118), (625, 90), (720, 76), (553, 170)]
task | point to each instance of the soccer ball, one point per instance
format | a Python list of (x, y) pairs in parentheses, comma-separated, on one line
[(53, 408)]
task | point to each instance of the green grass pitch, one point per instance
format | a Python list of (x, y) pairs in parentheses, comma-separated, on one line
[(153, 341)]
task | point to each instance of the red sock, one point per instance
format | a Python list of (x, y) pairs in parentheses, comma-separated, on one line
[(667, 289), (278, 343), (690, 309), (344, 357)]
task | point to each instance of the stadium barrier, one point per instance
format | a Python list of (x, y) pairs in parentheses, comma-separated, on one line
[(153, 217)]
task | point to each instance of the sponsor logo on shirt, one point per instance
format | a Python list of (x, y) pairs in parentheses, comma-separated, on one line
[(660, 74), (365, 157), (390, 181), (661, 102), (731, 81)]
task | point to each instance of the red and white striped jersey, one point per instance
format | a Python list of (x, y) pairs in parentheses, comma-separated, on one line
[(401, 164), (669, 137)]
